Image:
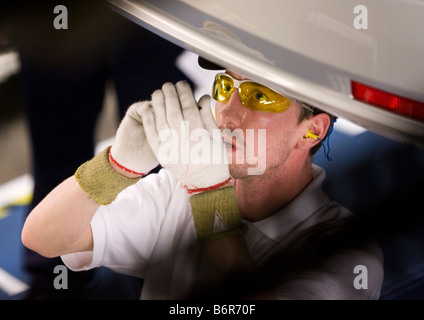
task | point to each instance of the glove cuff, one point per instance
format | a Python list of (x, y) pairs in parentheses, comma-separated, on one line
[(100, 180), (197, 190), (216, 213), (126, 160), (111, 158), (208, 178)]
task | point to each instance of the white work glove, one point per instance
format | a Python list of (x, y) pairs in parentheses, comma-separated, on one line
[(171, 120), (131, 151)]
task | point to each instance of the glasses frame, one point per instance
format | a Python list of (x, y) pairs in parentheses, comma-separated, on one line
[(238, 83)]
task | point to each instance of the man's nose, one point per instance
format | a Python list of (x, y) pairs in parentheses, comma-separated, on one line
[(234, 112)]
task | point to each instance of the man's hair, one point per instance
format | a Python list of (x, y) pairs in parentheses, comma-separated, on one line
[(307, 114)]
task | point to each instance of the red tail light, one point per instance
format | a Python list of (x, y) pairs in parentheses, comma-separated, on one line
[(388, 101)]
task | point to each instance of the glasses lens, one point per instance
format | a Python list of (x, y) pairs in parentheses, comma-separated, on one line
[(260, 98), (253, 96), (222, 88)]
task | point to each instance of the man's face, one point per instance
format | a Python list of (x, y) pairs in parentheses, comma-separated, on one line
[(256, 141)]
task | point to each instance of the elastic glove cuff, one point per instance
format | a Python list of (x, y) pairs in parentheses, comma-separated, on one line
[(130, 161), (208, 178)]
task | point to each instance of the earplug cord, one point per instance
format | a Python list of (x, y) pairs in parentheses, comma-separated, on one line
[(327, 150)]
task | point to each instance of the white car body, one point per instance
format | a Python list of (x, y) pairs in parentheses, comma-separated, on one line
[(312, 49)]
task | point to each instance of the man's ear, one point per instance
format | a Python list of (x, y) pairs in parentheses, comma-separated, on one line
[(316, 129)]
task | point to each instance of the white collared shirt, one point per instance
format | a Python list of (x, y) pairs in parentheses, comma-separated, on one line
[(148, 232)]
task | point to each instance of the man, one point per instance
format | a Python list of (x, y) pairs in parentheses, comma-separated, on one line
[(203, 226)]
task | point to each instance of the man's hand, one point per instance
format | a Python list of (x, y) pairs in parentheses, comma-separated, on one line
[(122, 165), (131, 152), (178, 129)]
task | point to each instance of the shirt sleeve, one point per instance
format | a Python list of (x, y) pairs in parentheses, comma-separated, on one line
[(126, 231)]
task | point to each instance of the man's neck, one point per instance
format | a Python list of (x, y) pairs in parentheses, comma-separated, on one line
[(262, 196)]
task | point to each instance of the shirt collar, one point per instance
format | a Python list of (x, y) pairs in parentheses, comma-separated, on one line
[(298, 210)]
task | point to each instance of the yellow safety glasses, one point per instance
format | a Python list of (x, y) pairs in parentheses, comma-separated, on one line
[(253, 96)]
